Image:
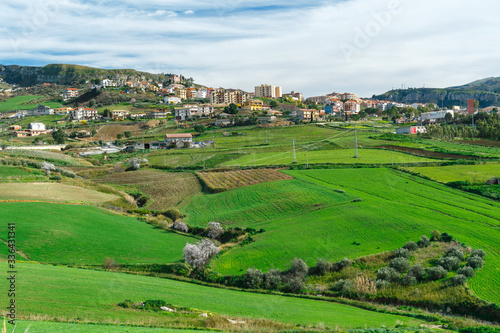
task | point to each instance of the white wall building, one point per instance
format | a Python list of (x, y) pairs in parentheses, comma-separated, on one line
[(430, 117), (37, 126), (83, 114), (172, 100)]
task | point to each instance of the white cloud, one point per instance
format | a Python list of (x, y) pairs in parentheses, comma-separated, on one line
[(224, 44)]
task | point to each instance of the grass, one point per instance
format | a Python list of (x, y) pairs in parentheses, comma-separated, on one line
[(228, 180), (52, 192), (9, 171), (55, 292), (395, 208), (75, 234), (53, 157), (22, 103), (475, 174), (344, 156), (165, 189)]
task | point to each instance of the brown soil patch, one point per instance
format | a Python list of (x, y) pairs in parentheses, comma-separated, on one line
[(489, 143)]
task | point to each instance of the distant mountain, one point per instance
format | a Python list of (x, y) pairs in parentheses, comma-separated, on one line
[(486, 91), (70, 74)]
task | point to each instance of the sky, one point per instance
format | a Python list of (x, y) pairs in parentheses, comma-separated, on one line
[(314, 47)]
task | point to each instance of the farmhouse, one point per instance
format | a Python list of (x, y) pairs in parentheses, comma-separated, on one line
[(42, 110), (119, 114), (178, 138), (14, 128)]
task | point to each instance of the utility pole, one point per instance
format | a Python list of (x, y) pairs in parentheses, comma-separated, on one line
[(11, 145), (294, 156), (164, 160), (266, 134), (307, 160), (254, 160), (392, 153), (355, 143)]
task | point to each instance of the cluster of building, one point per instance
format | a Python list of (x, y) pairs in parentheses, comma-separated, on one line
[(33, 129)]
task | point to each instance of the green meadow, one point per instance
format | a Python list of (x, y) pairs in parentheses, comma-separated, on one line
[(475, 174), (86, 235), (23, 103), (395, 208), (49, 292)]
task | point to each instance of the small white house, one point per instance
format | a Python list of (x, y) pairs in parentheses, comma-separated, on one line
[(172, 100), (37, 126)]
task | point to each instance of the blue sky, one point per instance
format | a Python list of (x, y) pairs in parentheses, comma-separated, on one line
[(363, 46)]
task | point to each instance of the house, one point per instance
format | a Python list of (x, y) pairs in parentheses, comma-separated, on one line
[(172, 100), (223, 122), (21, 134), (108, 83), (181, 92), (296, 96), (435, 116), (179, 139), (253, 105), (307, 114), (158, 114), (266, 120), (349, 96), (43, 110), (37, 126), (411, 130), (137, 115), (62, 110), (186, 112), (83, 114), (69, 93), (14, 128), (119, 114), (205, 110), (352, 106)]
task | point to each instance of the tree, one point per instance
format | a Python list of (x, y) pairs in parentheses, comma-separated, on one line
[(119, 136), (214, 230), (448, 117), (273, 103), (231, 109), (199, 255), (355, 117), (91, 103), (94, 132), (135, 163), (59, 136), (107, 113), (180, 226), (199, 128), (128, 134), (47, 167)]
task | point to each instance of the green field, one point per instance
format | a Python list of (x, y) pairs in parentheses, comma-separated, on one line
[(52, 192), (9, 171), (57, 292), (343, 156), (58, 159), (76, 234), (395, 208), (22, 103), (475, 174)]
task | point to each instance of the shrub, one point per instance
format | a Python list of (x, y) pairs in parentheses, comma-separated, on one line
[(343, 287), (180, 226), (446, 237), (478, 253), (435, 235), (424, 241), (449, 263), (400, 264), (475, 262), (128, 134), (253, 278), (173, 213), (298, 268), (110, 264), (402, 253), (458, 280), (323, 267), (344, 263), (417, 271), (357, 200), (436, 273), (411, 246), (467, 271), (272, 279), (387, 273), (455, 252), (408, 280), (381, 284), (295, 285)]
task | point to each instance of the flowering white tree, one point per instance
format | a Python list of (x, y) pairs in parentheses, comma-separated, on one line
[(214, 230), (198, 255), (181, 226), (135, 163), (47, 167)]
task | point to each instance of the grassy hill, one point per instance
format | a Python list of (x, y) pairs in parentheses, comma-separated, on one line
[(48, 292), (395, 208), (23, 103), (75, 234)]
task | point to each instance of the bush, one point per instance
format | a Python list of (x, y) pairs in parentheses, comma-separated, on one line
[(446, 237), (449, 263), (411, 246), (272, 279), (357, 200), (435, 235), (402, 253), (298, 268), (173, 214), (436, 273), (424, 241), (128, 134), (295, 285), (478, 253), (387, 273), (344, 263), (467, 271), (253, 278), (323, 267), (455, 252), (417, 271), (458, 280), (110, 264), (400, 264), (381, 284), (482, 329), (214, 230), (475, 262), (343, 287), (408, 280)]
